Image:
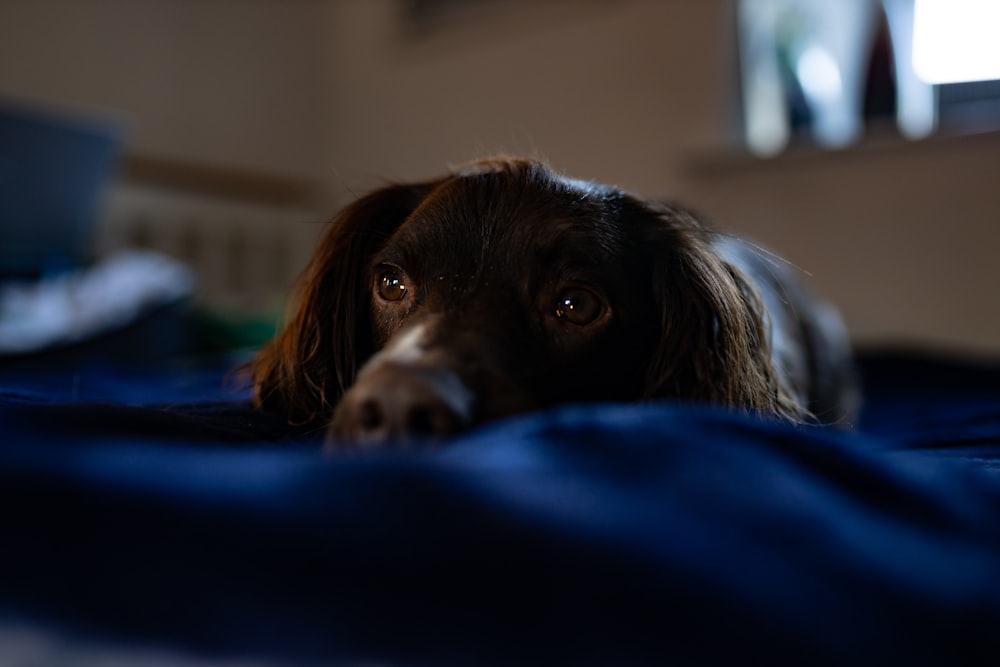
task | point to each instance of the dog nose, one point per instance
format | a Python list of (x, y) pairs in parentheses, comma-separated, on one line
[(400, 403)]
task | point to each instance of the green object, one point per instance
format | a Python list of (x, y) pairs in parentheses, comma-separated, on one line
[(215, 331)]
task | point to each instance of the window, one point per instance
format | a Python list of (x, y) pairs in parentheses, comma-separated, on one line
[(825, 72)]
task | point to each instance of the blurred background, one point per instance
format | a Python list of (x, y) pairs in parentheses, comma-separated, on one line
[(225, 131)]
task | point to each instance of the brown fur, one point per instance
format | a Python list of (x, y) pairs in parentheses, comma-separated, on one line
[(690, 317)]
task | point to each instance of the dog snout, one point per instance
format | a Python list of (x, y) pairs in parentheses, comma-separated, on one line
[(401, 403)]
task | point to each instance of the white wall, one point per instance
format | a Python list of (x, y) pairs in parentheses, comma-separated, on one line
[(231, 82), (638, 92), (615, 91), (902, 236)]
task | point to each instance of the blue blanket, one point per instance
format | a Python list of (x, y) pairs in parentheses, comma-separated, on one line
[(156, 507)]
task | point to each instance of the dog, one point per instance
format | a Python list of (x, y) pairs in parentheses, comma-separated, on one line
[(504, 287)]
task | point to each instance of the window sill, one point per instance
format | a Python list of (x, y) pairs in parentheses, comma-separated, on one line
[(875, 145)]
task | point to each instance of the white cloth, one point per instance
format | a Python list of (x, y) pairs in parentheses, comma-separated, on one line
[(75, 306)]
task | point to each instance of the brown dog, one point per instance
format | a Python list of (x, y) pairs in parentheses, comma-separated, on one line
[(504, 287)]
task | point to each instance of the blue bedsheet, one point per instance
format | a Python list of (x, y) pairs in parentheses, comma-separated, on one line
[(598, 535)]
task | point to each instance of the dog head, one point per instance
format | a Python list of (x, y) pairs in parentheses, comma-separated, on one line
[(504, 287)]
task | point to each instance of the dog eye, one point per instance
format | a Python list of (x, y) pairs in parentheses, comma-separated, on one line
[(579, 306), (391, 286)]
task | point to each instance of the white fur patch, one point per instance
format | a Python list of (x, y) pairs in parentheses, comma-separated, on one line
[(406, 349)]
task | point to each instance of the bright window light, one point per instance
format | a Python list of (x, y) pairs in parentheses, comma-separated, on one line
[(956, 40), (819, 74)]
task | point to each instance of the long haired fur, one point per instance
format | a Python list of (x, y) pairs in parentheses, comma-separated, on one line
[(714, 344), (703, 333), (304, 370)]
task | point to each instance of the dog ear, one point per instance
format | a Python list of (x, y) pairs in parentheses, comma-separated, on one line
[(305, 369), (713, 344)]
